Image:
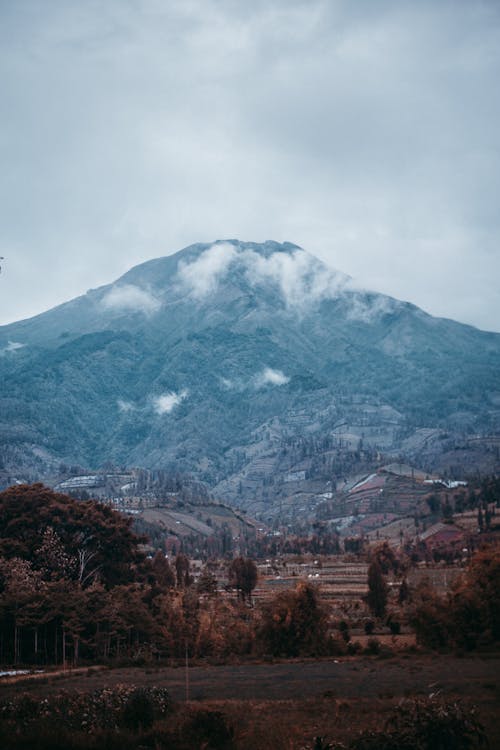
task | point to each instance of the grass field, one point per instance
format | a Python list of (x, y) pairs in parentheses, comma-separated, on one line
[(284, 705)]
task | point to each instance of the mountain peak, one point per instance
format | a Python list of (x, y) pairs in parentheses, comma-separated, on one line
[(187, 355), (204, 269)]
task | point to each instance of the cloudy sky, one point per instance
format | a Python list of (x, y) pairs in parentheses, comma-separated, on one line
[(366, 132)]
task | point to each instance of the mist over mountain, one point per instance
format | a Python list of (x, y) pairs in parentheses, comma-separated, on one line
[(202, 360)]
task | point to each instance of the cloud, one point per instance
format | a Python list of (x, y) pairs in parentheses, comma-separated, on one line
[(366, 132), (12, 346), (202, 276), (125, 406), (165, 403), (367, 307), (301, 278), (130, 298), (230, 384), (268, 376)]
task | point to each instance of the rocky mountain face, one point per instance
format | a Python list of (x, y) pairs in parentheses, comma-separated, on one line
[(235, 362)]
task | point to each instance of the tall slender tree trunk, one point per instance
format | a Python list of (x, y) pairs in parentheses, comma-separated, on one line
[(16, 644)]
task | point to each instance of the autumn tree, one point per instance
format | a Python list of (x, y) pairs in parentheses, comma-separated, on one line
[(207, 582), (469, 617), (377, 589), (19, 600), (243, 576), (93, 538), (163, 573), (294, 623), (182, 570), (474, 605)]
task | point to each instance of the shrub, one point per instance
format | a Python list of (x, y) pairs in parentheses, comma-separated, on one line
[(105, 709), (373, 646), (294, 623), (344, 630), (210, 730), (139, 710), (394, 627), (369, 627), (426, 725)]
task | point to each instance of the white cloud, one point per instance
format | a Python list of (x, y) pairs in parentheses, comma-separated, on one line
[(167, 401), (268, 376), (228, 383), (12, 346), (202, 275), (368, 307), (127, 297), (125, 406), (301, 278), (363, 131)]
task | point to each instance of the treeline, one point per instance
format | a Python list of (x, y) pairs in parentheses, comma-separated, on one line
[(467, 618), (75, 586)]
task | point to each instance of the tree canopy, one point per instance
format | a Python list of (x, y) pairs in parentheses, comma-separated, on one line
[(62, 536)]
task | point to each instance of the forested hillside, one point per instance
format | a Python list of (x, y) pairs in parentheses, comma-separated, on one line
[(216, 360)]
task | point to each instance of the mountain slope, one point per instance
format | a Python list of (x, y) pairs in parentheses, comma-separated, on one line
[(183, 358)]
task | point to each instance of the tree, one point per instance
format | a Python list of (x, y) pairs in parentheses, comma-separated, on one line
[(474, 607), (294, 623), (467, 618), (243, 576), (207, 582), (182, 570), (163, 573), (377, 590), (19, 599), (85, 536)]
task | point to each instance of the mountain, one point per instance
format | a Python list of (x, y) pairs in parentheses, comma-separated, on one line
[(213, 360)]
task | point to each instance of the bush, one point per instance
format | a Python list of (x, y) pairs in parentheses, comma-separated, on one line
[(373, 646), (353, 648), (369, 627), (426, 725), (210, 730), (105, 709), (394, 627), (469, 618), (294, 623), (344, 630), (139, 710)]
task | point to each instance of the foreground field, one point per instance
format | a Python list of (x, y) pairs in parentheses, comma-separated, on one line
[(290, 703)]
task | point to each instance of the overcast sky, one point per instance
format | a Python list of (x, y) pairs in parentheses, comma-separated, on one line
[(366, 131)]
